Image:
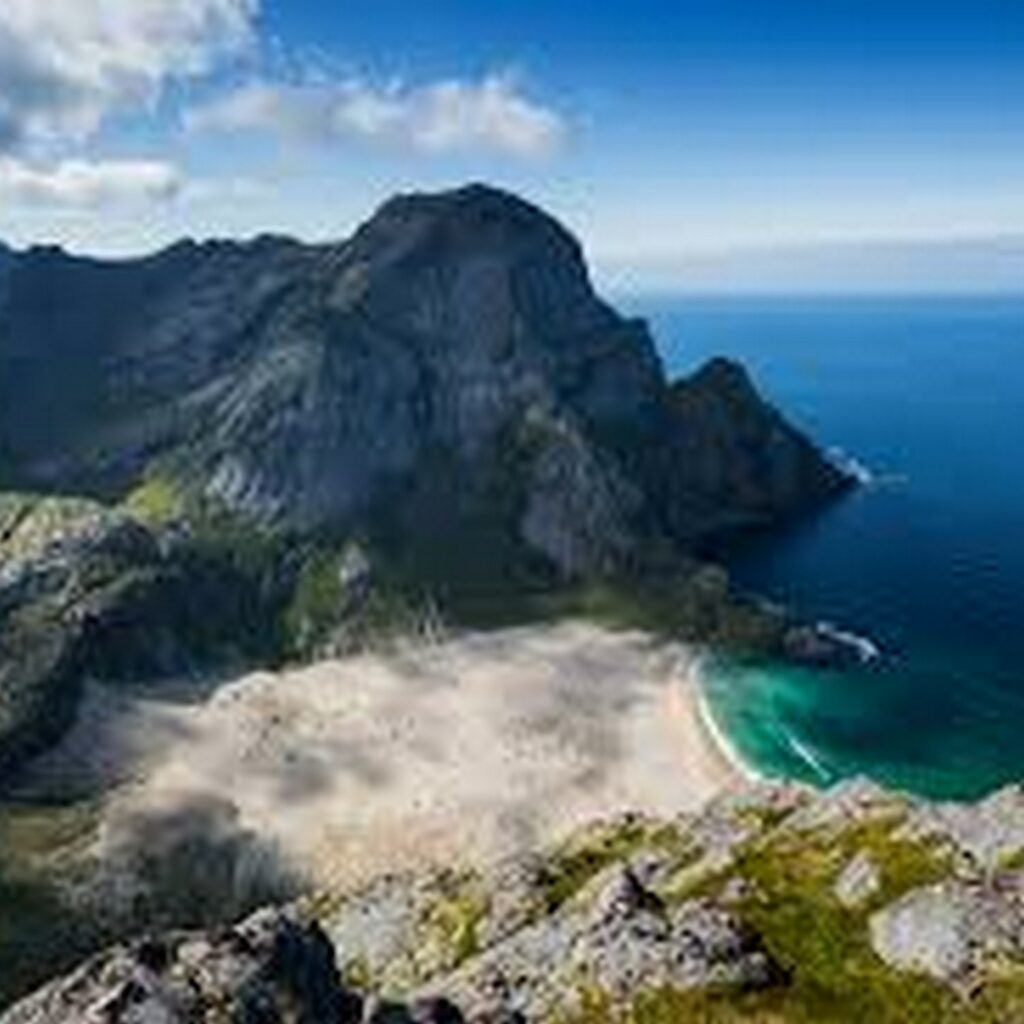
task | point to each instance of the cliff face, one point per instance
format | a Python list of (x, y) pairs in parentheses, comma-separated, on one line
[(451, 353)]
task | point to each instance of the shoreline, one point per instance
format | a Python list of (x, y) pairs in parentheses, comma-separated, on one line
[(714, 734)]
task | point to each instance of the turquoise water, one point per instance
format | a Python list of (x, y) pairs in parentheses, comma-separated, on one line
[(928, 561)]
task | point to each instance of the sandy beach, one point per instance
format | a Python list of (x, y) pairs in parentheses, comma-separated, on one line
[(461, 751)]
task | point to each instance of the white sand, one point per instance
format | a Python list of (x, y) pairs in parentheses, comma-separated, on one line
[(460, 751)]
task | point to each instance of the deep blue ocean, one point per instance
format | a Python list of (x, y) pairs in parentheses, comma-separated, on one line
[(927, 561)]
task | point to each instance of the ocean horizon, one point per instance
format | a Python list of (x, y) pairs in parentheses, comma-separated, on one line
[(924, 560)]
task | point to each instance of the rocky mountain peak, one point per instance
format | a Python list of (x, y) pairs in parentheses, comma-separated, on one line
[(725, 377), (470, 261), (467, 216)]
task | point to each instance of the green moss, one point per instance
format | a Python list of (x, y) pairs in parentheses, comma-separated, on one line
[(1012, 861), (903, 864), (314, 605), (1000, 1002), (453, 922), (321, 607), (572, 866), (356, 973), (40, 933), (822, 947), (675, 1006), (157, 500)]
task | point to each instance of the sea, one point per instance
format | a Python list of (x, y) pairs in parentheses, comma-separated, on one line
[(925, 396)]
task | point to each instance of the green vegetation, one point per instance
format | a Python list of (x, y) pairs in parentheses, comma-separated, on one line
[(572, 866), (672, 1006), (823, 948), (828, 972), (40, 933), (452, 921), (157, 500), (342, 608)]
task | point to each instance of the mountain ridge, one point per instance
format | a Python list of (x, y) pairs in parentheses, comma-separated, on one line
[(447, 322)]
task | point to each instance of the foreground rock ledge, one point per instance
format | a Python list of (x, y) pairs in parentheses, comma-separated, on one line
[(775, 904)]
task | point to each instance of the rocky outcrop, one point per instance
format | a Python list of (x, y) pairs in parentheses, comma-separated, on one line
[(449, 366), (271, 969), (91, 592), (736, 463), (772, 903)]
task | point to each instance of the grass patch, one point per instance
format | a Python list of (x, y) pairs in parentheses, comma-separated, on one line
[(571, 867), (158, 500), (822, 948), (453, 922), (40, 934), (675, 1006)]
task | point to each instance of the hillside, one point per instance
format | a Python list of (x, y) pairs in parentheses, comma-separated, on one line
[(773, 905)]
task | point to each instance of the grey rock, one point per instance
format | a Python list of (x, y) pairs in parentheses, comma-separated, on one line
[(377, 929), (858, 882), (851, 801), (985, 834), (952, 930), (89, 592), (622, 940), (824, 646), (271, 969)]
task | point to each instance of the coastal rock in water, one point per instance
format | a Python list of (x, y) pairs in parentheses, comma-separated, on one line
[(823, 646), (271, 969), (736, 464)]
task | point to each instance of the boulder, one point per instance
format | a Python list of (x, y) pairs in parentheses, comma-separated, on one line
[(954, 930)]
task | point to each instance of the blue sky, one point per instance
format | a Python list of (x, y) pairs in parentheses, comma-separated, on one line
[(683, 139)]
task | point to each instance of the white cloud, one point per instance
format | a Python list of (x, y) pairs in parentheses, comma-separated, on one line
[(65, 65), (448, 116), (83, 183)]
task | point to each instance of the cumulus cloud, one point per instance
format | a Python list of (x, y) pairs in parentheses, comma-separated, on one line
[(492, 114), (83, 183), (65, 65)]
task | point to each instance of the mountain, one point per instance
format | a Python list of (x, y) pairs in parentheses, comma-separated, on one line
[(237, 452), (448, 364), (773, 904)]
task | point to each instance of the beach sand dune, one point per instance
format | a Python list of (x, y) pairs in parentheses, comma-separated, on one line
[(465, 750)]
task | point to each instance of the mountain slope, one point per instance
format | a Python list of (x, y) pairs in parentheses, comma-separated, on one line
[(772, 905), (452, 353)]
